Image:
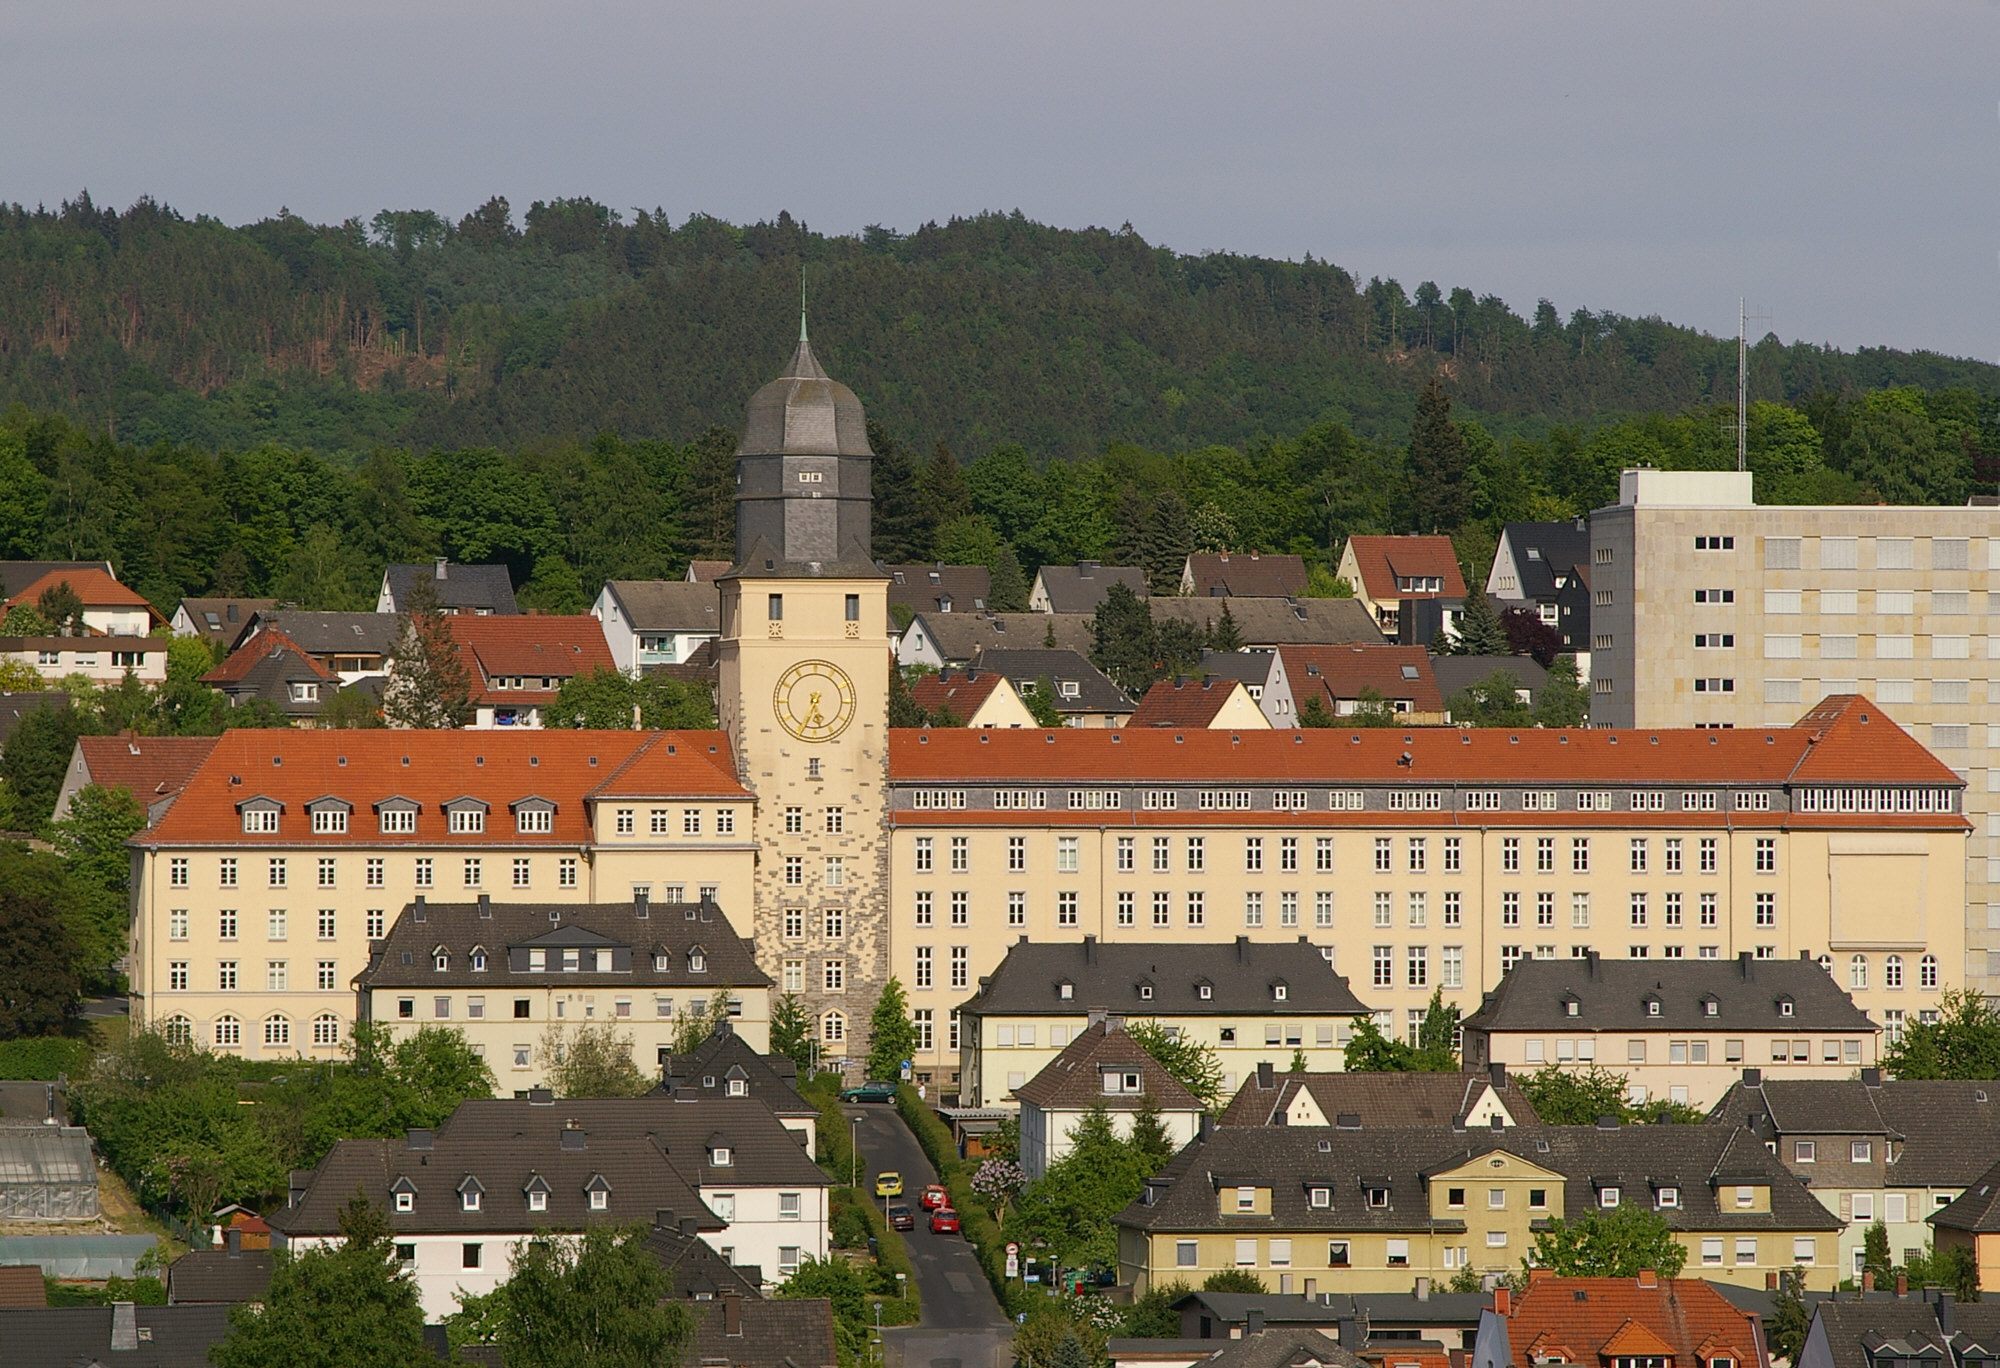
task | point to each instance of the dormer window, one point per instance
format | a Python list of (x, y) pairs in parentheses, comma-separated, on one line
[(396, 817), (329, 816), (1652, 1007), (1066, 990), (478, 959), (719, 1156), (1378, 1197), (466, 816), (1607, 1197), (1784, 1007), (1145, 992), (440, 959), (1204, 991), (538, 1200), (1279, 991), (406, 1201), (739, 1087), (470, 1199), (1571, 1007), (697, 961), (600, 1200), (1321, 1198), (660, 962), (260, 815), (534, 816), (1668, 1198), (1710, 1007)]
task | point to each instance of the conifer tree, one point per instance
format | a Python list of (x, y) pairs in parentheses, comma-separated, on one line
[(892, 1036), (902, 527), (1009, 589), (1438, 462), (1223, 634), (1479, 629), (708, 498), (1123, 642), (429, 686), (1168, 538), (943, 488)]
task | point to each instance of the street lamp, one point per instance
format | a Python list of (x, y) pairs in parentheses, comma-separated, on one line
[(854, 1151)]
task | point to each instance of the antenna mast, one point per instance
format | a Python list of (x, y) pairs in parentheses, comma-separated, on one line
[(1742, 390)]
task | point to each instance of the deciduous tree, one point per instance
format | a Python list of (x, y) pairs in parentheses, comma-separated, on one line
[(892, 1036), (1618, 1243), (591, 1060)]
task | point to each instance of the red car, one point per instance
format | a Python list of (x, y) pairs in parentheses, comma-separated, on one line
[(934, 1196), (944, 1221), (901, 1217)]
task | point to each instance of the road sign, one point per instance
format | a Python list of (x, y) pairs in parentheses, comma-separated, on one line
[(1013, 1260)]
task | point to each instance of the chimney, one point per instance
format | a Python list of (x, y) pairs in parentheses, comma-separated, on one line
[(1902, 1285), (1770, 1282), (1590, 961), (1207, 1125), (1093, 1016), (1423, 1289), (541, 1097), (438, 573), (1348, 1332), (1113, 1021), (1871, 1078), (1649, 1277), (1753, 1078), (486, 907), (1498, 1072), (1946, 1314), (1744, 960), (1242, 949), (1503, 1301), (232, 1238), (688, 1224), (1498, 1123), (230, 611), (1254, 1319), (1264, 1075), (1607, 1123), (1089, 949), (642, 902), (663, 1218), (1867, 1280), (124, 1326), (417, 909)]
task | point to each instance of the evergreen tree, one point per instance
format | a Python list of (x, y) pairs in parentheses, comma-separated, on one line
[(1223, 634), (1123, 644), (1563, 701), (1438, 462), (1168, 539), (1791, 1318), (708, 498), (1479, 629), (429, 685), (1128, 527), (1040, 702), (904, 710), (1009, 590), (1875, 1256), (943, 489), (62, 608), (892, 1036), (902, 524), (1149, 1138), (39, 984), (791, 1032), (1316, 714)]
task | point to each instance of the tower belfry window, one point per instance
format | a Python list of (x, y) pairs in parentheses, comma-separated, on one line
[(854, 607), (776, 607)]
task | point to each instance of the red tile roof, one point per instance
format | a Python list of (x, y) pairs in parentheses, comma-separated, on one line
[(1853, 741), (246, 657), (1592, 1320), (963, 691), (96, 588), (528, 646), (365, 767), (1382, 559), (1182, 703), (1333, 673), (149, 767), (1246, 576)]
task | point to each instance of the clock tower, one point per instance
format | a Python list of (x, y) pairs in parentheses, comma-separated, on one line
[(804, 695)]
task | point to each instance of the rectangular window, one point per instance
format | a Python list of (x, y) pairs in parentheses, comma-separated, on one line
[(1709, 851), (1385, 909), (276, 924), (1197, 854), (1017, 909), (1419, 854), (423, 876), (1323, 908), (275, 976), (1197, 908), (1127, 913), (1767, 855), (1579, 909), (521, 868), (1579, 855), (1638, 913), (1253, 909), (177, 976), (1323, 854), (474, 873), (836, 871), (1162, 908), (924, 966), (961, 854), (1066, 854), (1451, 973), (1384, 854), (1545, 854), (1385, 966), (1545, 908), (1288, 854), (1420, 909), (961, 966), (1767, 909), (1418, 966), (177, 924), (1127, 854), (1066, 910), (836, 923), (1017, 854), (1510, 909), (833, 975), (1454, 851)]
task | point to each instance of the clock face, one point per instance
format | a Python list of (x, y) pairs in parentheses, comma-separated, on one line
[(814, 700)]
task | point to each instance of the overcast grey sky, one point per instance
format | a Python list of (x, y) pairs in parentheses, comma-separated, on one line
[(1835, 162)]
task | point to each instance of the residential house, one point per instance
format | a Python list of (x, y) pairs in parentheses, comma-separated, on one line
[(697, 1272), (124, 1334), (1255, 575), (1619, 1323), (1972, 1221), (727, 1065), (977, 697), (218, 621), (657, 622), (1249, 1000), (1084, 694), (1273, 1097), (223, 1276), (272, 668), (1414, 1329), (474, 590), (1216, 704), (110, 609), (1930, 1327), (954, 640), (153, 769), (706, 571), (1081, 587), (1338, 677), (1545, 567), (1264, 623), (354, 646), (518, 662), (1248, 667), (937, 588), (1101, 1067), (1873, 1149), (1682, 1030), (513, 977), (1357, 1210), (100, 659), (773, 1332), (1390, 572), (1456, 673), (16, 576)]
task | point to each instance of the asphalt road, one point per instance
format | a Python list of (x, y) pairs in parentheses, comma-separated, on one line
[(963, 1325)]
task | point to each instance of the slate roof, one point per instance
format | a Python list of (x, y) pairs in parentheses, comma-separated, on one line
[(1081, 587), (1977, 1209), (964, 691), (961, 636), (221, 621), (462, 588), (1255, 575), (1542, 551), (334, 634), (1073, 1079), (1234, 1308), (266, 667), (705, 1074), (1293, 1159), (216, 1275), (697, 1271), (1292, 1347), (928, 588), (1595, 1319), (1183, 702), (1095, 691), (535, 651), (706, 571), (1241, 979), (15, 706), (780, 1332), (504, 933), (1455, 673), (1379, 1100), (1382, 559), (80, 1336), (1277, 622), (1905, 1329), (16, 576), (150, 768), (669, 605), (1339, 673), (1613, 995), (1252, 668)]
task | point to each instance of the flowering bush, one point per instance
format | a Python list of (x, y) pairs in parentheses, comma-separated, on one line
[(997, 1180)]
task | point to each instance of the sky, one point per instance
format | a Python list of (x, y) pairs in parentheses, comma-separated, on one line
[(1832, 162)]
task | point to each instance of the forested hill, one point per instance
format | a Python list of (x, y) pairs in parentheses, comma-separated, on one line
[(413, 331)]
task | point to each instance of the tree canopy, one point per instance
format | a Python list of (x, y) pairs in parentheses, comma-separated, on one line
[(1618, 1243)]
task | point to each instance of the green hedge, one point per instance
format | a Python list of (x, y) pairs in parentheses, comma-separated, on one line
[(892, 1256), (44, 1058), (975, 1220)]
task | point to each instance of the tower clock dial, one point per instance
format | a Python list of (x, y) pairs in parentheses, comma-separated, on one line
[(814, 700)]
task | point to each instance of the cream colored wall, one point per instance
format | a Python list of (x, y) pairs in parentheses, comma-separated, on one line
[(1239, 712), (1800, 881), (1002, 708), (1349, 569), (1697, 1084), (151, 669)]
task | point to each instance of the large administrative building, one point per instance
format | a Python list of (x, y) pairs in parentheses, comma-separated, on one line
[(1412, 861)]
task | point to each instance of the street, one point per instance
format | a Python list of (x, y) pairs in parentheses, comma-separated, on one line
[(963, 1326)]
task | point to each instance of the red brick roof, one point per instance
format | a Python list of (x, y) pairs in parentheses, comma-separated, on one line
[(1246, 576), (965, 692), (1182, 703), (528, 647), (246, 657), (1854, 741), (1342, 672), (1592, 1320), (149, 767), (365, 767), (1382, 559), (96, 588)]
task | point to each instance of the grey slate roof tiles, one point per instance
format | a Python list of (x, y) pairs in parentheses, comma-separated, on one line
[(1612, 995), (1149, 980)]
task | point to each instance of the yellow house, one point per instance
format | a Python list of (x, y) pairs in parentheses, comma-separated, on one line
[(1311, 1210), (1217, 704), (977, 698)]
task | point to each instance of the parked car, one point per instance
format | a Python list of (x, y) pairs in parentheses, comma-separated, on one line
[(888, 1183), (934, 1196), (944, 1221), (875, 1090), (901, 1217)]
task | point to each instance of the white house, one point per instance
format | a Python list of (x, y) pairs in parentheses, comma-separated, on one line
[(1103, 1067), (657, 622)]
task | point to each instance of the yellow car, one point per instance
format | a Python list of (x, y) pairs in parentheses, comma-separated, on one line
[(888, 1185)]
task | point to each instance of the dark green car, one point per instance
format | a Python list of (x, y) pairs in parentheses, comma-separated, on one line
[(875, 1090)]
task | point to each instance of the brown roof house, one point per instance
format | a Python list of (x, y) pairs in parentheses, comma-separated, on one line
[(1269, 1097), (1102, 1067), (976, 697), (1254, 575), (153, 769), (1217, 704)]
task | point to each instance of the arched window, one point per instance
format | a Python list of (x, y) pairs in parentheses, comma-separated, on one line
[(178, 1030), (228, 1032), (833, 1028), (277, 1031), (1927, 972), (326, 1029), (1857, 972), (1892, 972)]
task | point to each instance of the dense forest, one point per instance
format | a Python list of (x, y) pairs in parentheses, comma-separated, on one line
[(283, 407)]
